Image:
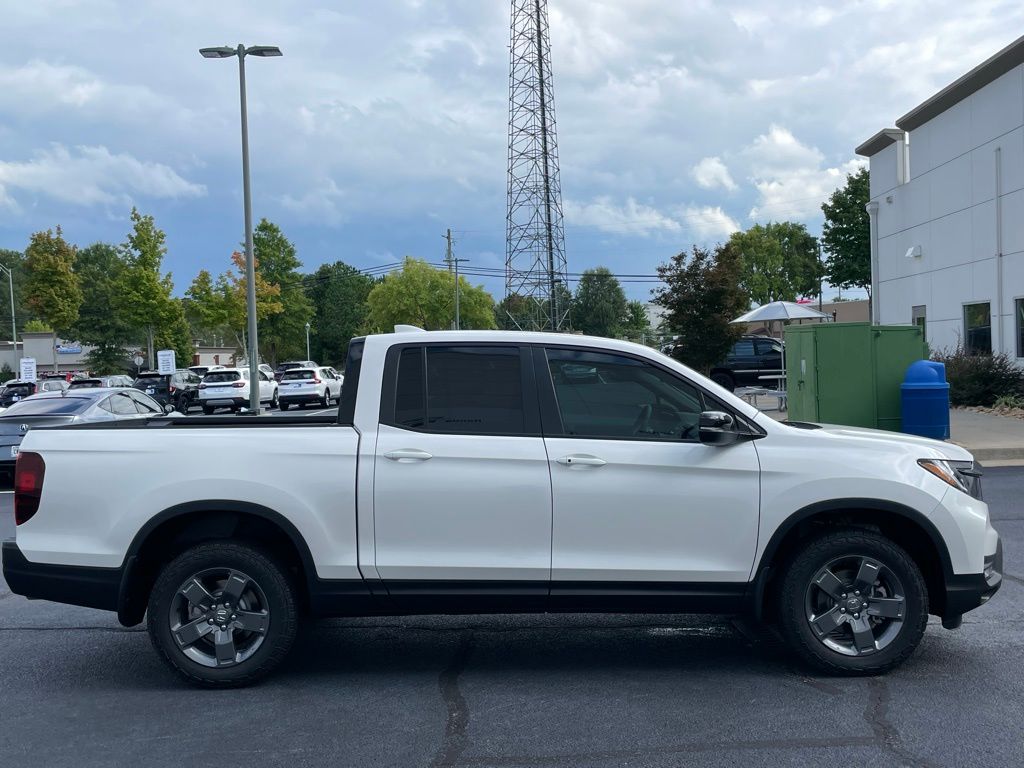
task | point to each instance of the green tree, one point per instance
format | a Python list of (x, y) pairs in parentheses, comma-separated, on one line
[(779, 261), (420, 295), (514, 313), (52, 289), (283, 334), (100, 325), (37, 326), (144, 296), (338, 295), (846, 234), (599, 307), (636, 326), (701, 296)]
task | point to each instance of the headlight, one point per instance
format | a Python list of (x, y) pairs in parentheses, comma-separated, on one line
[(958, 474)]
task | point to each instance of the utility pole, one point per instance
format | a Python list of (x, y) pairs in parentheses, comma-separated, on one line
[(14, 330), (821, 276), (448, 250), (458, 317)]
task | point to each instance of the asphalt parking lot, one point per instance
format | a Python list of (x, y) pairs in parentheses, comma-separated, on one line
[(77, 689)]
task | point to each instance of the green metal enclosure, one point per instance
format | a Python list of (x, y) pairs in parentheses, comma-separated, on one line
[(849, 373)]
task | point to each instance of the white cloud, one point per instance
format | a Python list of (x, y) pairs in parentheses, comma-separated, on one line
[(708, 223), (791, 178), (711, 172), (88, 176), (631, 218)]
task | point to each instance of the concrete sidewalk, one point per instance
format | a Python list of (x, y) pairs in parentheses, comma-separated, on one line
[(992, 439)]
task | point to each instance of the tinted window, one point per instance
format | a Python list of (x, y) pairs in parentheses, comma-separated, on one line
[(475, 389), (48, 405), (221, 377), (613, 396), (298, 376), (410, 402), (978, 328), (743, 347), (768, 347), (150, 381)]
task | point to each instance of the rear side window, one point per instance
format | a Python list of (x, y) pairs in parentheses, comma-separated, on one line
[(221, 377), (460, 390)]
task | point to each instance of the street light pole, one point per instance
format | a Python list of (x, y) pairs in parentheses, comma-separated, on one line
[(253, 348), (307, 342), (14, 331)]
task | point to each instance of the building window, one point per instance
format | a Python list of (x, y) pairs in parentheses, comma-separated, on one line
[(1019, 314), (978, 328), (918, 316)]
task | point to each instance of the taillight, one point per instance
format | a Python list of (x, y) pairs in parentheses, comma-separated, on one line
[(238, 384), (28, 486)]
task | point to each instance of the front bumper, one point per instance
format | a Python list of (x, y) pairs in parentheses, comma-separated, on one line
[(72, 584), (966, 592)]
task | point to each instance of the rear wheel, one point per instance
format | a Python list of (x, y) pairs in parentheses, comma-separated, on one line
[(853, 603), (283, 406), (222, 615), (275, 400), (325, 401)]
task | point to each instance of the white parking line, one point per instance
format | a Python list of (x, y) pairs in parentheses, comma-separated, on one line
[(325, 410)]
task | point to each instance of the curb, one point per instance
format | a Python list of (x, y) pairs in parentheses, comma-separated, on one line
[(1004, 453)]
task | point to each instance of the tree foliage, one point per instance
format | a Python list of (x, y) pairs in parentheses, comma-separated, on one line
[(100, 267), (779, 261), (52, 289), (420, 295), (282, 334), (599, 307), (846, 233), (338, 294), (636, 326), (701, 296)]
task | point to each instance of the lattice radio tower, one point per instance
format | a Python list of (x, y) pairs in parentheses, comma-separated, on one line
[(535, 265)]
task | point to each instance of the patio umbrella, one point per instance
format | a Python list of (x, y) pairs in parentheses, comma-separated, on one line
[(780, 310)]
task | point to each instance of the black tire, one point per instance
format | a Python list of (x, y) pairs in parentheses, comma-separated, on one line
[(724, 380), (325, 401), (207, 410), (265, 577), (890, 571), (275, 401), (283, 406), (183, 404)]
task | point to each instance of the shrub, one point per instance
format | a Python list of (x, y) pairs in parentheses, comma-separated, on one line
[(980, 379)]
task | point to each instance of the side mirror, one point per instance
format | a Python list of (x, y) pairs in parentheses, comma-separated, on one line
[(717, 428), (168, 408)]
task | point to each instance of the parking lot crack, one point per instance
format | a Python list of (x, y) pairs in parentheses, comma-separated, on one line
[(457, 720), (886, 734), (1015, 579)]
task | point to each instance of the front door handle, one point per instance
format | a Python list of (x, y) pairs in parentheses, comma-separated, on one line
[(581, 460), (407, 455)]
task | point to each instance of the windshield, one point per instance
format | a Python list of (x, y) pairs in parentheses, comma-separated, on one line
[(48, 406), (220, 377), (297, 375)]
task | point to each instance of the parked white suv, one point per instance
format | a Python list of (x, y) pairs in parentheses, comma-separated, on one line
[(307, 386), (479, 471), (229, 388)]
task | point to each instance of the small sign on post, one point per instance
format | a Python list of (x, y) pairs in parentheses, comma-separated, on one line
[(165, 361), (28, 369)]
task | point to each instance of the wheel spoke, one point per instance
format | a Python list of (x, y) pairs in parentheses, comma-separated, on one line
[(235, 586), (867, 575), (827, 621), (830, 584), (253, 621), (189, 633), (886, 607), (197, 595), (224, 643), (863, 637)]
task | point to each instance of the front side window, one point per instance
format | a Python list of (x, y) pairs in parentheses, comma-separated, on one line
[(978, 328), (460, 390), (617, 397)]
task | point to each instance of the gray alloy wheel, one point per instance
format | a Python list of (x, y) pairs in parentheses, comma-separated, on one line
[(855, 605), (219, 617)]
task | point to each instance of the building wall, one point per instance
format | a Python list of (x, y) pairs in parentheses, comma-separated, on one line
[(948, 209)]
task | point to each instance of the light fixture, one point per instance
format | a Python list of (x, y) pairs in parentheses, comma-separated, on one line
[(913, 252)]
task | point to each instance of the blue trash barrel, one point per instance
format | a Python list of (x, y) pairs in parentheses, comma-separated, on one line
[(925, 400)]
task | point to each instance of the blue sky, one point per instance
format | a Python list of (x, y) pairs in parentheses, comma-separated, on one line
[(385, 122)]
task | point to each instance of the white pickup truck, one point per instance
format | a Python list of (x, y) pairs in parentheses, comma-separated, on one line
[(474, 472)]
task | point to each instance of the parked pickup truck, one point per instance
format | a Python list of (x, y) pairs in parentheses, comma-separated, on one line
[(481, 472)]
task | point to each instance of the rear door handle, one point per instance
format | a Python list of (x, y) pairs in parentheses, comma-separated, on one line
[(407, 455), (581, 460)]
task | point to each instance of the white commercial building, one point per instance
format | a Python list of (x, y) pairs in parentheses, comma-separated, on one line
[(947, 211)]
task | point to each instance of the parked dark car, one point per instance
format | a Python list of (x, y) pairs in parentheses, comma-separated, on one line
[(180, 389), (749, 359), (15, 391)]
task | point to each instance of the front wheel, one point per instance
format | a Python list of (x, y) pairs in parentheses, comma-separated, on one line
[(222, 615), (853, 603), (275, 400)]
